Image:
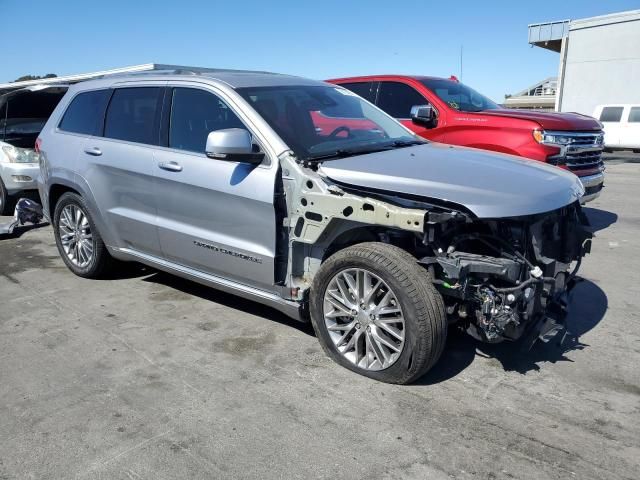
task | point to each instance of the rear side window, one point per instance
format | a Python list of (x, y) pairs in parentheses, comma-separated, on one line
[(84, 112), (611, 114), (397, 99), (132, 115), (194, 114), (364, 89), (634, 115)]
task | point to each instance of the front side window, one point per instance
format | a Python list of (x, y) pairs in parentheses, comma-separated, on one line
[(397, 98), (84, 112), (458, 96), (634, 115), (320, 121), (194, 114), (132, 114), (611, 114)]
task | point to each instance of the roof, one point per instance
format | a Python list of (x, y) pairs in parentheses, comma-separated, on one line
[(386, 76), (546, 87), (601, 20), (549, 35), (235, 78)]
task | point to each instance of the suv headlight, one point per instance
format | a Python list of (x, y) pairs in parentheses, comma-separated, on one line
[(20, 155), (541, 136)]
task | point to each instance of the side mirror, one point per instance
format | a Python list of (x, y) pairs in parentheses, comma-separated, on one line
[(424, 115), (233, 145)]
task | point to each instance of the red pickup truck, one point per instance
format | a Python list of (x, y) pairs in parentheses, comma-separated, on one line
[(447, 111)]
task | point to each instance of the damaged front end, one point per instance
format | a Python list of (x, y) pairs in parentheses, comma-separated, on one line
[(505, 278)]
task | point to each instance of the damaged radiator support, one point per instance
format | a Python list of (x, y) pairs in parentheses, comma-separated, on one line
[(522, 291)]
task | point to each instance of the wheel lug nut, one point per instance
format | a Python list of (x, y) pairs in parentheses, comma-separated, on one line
[(358, 326)]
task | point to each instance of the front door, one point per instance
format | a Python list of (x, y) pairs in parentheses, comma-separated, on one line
[(397, 99), (214, 216)]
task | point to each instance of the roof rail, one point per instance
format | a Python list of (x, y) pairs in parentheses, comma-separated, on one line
[(179, 70), (147, 68)]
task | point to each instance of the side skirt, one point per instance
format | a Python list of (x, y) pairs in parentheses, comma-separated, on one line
[(291, 309)]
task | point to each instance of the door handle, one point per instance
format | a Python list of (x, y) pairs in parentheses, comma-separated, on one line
[(170, 166), (95, 151)]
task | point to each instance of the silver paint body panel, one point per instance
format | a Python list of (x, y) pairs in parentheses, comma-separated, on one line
[(491, 185)]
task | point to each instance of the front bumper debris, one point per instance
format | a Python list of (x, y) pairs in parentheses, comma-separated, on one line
[(27, 211)]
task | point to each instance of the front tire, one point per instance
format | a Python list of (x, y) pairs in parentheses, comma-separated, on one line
[(78, 240), (376, 312)]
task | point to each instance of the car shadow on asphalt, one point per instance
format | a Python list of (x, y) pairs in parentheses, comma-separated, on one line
[(228, 300), (600, 219), (588, 307)]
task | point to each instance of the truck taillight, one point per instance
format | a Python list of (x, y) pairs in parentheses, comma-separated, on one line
[(38, 144)]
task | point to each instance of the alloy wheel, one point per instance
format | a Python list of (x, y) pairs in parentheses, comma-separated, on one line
[(364, 319), (75, 235)]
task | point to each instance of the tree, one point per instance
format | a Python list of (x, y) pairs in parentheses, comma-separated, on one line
[(35, 77)]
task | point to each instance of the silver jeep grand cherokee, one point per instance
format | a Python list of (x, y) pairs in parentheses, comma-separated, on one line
[(305, 197)]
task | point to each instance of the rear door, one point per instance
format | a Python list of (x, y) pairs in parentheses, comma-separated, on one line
[(630, 129), (366, 90), (214, 216), (118, 165), (611, 118)]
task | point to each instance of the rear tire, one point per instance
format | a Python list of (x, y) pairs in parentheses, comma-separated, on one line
[(4, 200), (77, 238), (355, 331)]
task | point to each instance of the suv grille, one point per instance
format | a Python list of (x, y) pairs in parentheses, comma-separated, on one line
[(584, 152)]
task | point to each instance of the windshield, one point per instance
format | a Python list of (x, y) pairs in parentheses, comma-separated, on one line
[(459, 96), (325, 121)]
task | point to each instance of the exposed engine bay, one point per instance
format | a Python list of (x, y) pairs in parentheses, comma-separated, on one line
[(502, 277)]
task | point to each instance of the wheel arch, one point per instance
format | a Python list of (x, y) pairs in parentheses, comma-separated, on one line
[(55, 192)]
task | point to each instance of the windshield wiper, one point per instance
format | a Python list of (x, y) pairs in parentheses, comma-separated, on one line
[(406, 143), (349, 152), (345, 152)]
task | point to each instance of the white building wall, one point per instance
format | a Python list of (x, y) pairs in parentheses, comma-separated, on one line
[(602, 63)]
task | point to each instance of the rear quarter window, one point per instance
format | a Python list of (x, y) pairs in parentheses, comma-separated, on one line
[(611, 114), (84, 112), (634, 115)]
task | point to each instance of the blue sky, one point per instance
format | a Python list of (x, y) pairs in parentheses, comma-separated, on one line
[(320, 39)]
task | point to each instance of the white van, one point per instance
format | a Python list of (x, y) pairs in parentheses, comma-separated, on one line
[(621, 126)]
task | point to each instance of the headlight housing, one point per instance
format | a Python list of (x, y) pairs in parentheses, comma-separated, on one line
[(20, 155), (541, 136)]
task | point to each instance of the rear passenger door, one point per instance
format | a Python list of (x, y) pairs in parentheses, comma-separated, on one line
[(366, 90), (214, 216), (118, 165), (611, 118)]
